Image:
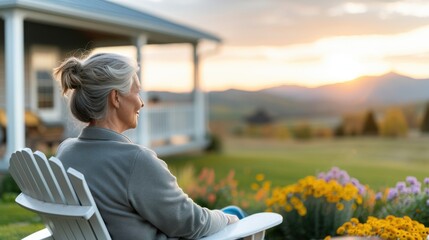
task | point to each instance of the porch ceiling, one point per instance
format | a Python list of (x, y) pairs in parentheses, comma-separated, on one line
[(104, 21)]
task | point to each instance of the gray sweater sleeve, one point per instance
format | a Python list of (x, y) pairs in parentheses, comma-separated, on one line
[(154, 193)]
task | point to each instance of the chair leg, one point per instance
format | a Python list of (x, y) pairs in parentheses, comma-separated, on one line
[(256, 236)]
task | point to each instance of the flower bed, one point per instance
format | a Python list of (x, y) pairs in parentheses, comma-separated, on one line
[(327, 205)]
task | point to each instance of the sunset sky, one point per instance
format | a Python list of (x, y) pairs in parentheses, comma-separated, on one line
[(304, 42)]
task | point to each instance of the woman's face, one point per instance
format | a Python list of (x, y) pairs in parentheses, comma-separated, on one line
[(130, 105)]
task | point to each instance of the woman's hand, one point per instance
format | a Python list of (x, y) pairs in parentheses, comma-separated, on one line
[(231, 218)]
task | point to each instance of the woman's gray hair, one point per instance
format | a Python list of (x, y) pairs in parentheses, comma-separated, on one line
[(91, 80)]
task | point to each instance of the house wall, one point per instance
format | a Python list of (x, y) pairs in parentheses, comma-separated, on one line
[(27, 92), (2, 66), (2, 79)]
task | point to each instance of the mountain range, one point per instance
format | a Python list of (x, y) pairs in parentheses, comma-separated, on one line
[(387, 89), (288, 101)]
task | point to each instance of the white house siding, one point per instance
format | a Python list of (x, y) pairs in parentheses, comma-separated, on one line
[(2, 81), (2, 78), (27, 80)]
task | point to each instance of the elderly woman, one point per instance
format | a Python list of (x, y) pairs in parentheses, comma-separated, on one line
[(135, 192)]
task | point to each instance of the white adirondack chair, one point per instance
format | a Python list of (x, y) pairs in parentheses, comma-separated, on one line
[(67, 208)]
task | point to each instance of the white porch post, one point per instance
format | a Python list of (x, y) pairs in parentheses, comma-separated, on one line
[(14, 68), (199, 111), (143, 130)]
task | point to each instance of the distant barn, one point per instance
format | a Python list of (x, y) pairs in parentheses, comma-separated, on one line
[(259, 117)]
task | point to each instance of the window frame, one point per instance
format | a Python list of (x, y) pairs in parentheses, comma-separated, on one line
[(51, 58)]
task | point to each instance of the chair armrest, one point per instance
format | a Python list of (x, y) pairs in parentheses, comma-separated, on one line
[(58, 210), (247, 226), (43, 234)]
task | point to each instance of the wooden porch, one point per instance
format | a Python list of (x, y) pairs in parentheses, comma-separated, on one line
[(172, 130)]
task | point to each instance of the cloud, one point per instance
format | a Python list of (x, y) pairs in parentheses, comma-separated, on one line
[(348, 8), (414, 8), (288, 22)]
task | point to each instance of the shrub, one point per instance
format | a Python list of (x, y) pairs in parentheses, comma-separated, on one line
[(316, 206), (408, 198), (302, 131), (215, 144), (208, 192), (8, 185), (8, 197)]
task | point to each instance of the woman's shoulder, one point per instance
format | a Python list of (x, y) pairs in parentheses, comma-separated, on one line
[(147, 157)]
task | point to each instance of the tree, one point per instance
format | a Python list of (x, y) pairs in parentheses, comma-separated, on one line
[(370, 127), (394, 124), (424, 127)]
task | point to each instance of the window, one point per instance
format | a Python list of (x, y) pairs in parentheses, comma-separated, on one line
[(45, 89), (44, 96)]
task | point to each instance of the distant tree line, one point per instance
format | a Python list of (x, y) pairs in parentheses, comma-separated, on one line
[(391, 122)]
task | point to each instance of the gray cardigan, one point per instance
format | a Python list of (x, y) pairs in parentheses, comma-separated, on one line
[(135, 192)]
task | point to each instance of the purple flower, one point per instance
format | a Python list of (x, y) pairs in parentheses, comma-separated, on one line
[(355, 182), (411, 180), (361, 189), (378, 196), (334, 171), (321, 175), (393, 193), (328, 178), (426, 181), (343, 177), (427, 202), (400, 186), (415, 190)]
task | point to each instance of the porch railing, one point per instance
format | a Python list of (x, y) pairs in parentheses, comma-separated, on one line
[(171, 120)]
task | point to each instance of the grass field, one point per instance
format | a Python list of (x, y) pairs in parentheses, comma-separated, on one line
[(16, 222), (377, 162)]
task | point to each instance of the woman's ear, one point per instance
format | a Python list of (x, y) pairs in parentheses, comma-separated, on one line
[(114, 98)]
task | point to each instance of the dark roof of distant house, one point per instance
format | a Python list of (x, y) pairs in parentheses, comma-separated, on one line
[(260, 116)]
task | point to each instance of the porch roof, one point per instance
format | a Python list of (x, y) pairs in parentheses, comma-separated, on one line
[(105, 12)]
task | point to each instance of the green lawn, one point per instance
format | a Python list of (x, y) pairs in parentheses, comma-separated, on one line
[(16, 222), (377, 162)]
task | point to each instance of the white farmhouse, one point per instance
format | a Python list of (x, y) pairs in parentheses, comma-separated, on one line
[(51, 30)]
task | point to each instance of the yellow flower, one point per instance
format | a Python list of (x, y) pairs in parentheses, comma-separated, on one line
[(266, 186), (288, 208), (340, 206), (354, 221), (260, 177), (341, 230), (389, 228), (255, 186), (302, 211)]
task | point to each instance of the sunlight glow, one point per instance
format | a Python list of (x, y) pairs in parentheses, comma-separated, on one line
[(326, 61), (342, 67)]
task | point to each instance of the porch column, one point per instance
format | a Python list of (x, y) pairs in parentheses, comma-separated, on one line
[(142, 130), (199, 106), (14, 68)]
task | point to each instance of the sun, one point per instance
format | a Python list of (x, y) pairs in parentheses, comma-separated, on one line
[(342, 67)]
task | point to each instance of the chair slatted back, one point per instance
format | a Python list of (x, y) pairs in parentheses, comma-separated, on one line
[(48, 182)]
